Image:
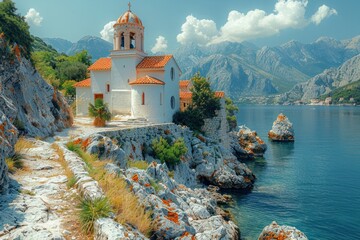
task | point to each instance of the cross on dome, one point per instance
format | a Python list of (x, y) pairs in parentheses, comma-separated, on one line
[(129, 4)]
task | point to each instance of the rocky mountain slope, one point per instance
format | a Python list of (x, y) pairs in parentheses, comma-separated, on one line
[(245, 70), (96, 46), (27, 102), (325, 82)]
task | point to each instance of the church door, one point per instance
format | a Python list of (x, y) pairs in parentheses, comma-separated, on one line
[(100, 95)]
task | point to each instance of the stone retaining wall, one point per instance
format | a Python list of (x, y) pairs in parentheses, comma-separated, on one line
[(217, 127)]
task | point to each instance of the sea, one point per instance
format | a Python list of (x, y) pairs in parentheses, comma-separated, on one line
[(313, 183)]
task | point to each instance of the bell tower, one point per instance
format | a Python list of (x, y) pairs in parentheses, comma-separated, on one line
[(129, 32)]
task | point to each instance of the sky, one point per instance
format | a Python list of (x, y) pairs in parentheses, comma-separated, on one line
[(170, 24)]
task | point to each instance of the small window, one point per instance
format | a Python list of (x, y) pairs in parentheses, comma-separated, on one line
[(172, 73), (161, 100), (143, 99), (172, 102), (108, 87)]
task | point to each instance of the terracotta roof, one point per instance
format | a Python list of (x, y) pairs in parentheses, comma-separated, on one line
[(219, 94), (188, 95), (185, 95), (154, 61), (184, 83), (83, 83), (147, 80), (101, 64)]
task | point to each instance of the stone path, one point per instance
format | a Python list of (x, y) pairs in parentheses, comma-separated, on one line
[(40, 205)]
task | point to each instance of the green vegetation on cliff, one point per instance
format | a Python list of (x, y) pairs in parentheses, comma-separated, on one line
[(14, 27), (345, 94)]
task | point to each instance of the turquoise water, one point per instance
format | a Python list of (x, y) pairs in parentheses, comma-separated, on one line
[(314, 183)]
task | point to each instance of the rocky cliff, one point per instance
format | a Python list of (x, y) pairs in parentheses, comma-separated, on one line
[(27, 102)]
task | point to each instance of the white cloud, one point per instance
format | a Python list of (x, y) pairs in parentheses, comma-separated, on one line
[(160, 45), (107, 33), (198, 31), (322, 13), (253, 24), (33, 17)]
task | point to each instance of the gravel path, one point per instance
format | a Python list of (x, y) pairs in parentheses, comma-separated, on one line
[(40, 205)]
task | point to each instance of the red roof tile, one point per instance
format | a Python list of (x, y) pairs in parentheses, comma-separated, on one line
[(83, 83), (188, 95), (154, 62), (147, 80), (185, 95), (184, 83), (101, 64), (219, 94)]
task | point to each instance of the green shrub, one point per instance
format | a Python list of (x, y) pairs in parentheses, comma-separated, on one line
[(191, 117), (91, 210), (231, 110), (167, 152)]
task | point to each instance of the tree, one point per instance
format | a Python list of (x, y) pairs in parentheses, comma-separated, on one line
[(69, 88), (203, 98), (100, 112), (204, 105), (71, 70), (168, 152), (14, 27), (231, 111)]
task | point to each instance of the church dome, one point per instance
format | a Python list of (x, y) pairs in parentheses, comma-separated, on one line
[(129, 17)]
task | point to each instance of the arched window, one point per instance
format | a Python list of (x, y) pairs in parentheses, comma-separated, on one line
[(172, 102), (132, 41), (172, 73), (143, 98), (122, 45)]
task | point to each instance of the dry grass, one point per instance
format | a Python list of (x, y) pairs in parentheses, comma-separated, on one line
[(15, 163), (138, 164), (124, 203), (23, 145), (71, 180)]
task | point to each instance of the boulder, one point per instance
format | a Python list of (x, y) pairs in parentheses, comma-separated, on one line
[(106, 229), (275, 231), (248, 144), (282, 130)]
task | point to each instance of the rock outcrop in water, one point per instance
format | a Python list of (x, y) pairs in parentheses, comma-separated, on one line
[(27, 102), (275, 231), (246, 144), (282, 130)]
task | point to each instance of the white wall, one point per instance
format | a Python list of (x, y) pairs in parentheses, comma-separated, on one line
[(171, 89), (99, 80), (84, 96), (123, 70), (152, 110), (121, 102)]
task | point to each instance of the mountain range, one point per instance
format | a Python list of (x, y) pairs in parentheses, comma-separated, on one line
[(96, 46), (243, 69)]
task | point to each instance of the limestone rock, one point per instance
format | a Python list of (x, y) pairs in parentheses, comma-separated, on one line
[(248, 144), (282, 130), (108, 229), (28, 105), (275, 231)]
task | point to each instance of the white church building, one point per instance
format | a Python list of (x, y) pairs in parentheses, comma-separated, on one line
[(129, 81)]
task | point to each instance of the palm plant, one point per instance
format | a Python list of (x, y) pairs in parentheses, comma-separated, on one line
[(100, 111)]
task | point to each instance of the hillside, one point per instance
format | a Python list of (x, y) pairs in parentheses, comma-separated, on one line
[(347, 94), (325, 82), (95, 46)]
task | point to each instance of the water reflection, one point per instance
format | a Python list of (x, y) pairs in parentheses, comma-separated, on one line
[(281, 150)]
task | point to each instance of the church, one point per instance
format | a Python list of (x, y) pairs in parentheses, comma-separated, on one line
[(129, 81)]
